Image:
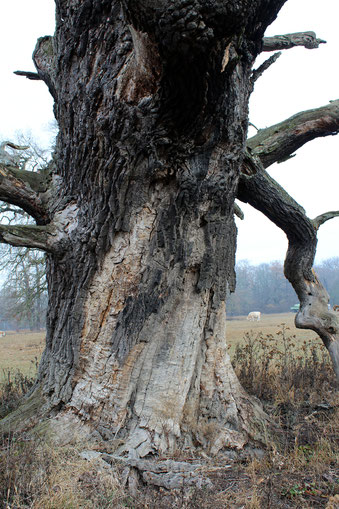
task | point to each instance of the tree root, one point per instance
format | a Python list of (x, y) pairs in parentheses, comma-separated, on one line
[(168, 474)]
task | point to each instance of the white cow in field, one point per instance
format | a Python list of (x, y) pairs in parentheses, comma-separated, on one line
[(254, 315), (2, 333)]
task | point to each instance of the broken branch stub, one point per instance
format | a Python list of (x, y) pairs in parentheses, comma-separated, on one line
[(308, 40)]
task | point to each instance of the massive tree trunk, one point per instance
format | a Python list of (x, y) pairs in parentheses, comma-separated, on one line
[(152, 106), (136, 216), (153, 124)]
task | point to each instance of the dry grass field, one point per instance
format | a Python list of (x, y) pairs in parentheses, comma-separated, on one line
[(238, 326), (20, 351)]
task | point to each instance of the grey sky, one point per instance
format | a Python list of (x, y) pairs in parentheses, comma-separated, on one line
[(300, 79)]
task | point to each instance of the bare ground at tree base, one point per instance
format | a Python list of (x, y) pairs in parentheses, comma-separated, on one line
[(302, 476)]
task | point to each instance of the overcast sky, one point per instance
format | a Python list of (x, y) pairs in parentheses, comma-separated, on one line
[(299, 80)]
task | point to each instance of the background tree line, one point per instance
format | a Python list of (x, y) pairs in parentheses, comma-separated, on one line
[(264, 287)]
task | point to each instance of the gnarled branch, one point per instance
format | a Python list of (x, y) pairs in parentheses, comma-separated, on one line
[(279, 141), (264, 66), (22, 188), (279, 42), (31, 236), (29, 75), (264, 194)]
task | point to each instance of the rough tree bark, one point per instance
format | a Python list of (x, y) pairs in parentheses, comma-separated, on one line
[(151, 100)]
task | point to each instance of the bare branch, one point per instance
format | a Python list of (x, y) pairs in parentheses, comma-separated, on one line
[(319, 220), (26, 236), (238, 212), (10, 159), (22, 188), (263, 67), (29, 75), (279, 141), (279, 42)]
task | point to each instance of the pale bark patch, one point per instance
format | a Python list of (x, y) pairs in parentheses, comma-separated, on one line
[(116, 281)]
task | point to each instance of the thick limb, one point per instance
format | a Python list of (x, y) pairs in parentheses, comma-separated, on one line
[(279, 141), (22, 188), (26, 236)]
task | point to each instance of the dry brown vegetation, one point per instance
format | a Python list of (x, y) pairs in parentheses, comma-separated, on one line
[(291, 375)]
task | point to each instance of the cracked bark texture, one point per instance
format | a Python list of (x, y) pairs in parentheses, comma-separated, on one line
[(137, 220)]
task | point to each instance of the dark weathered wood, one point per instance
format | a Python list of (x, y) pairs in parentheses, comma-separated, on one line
[(29, 75), (279, 42)]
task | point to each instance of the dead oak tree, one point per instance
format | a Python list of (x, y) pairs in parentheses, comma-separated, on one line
[(136, 215)]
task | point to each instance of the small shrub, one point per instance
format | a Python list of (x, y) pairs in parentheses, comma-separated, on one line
[(277, 369)]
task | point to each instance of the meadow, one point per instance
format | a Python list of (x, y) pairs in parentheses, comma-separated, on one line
[(238, 326), (20, 351)]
